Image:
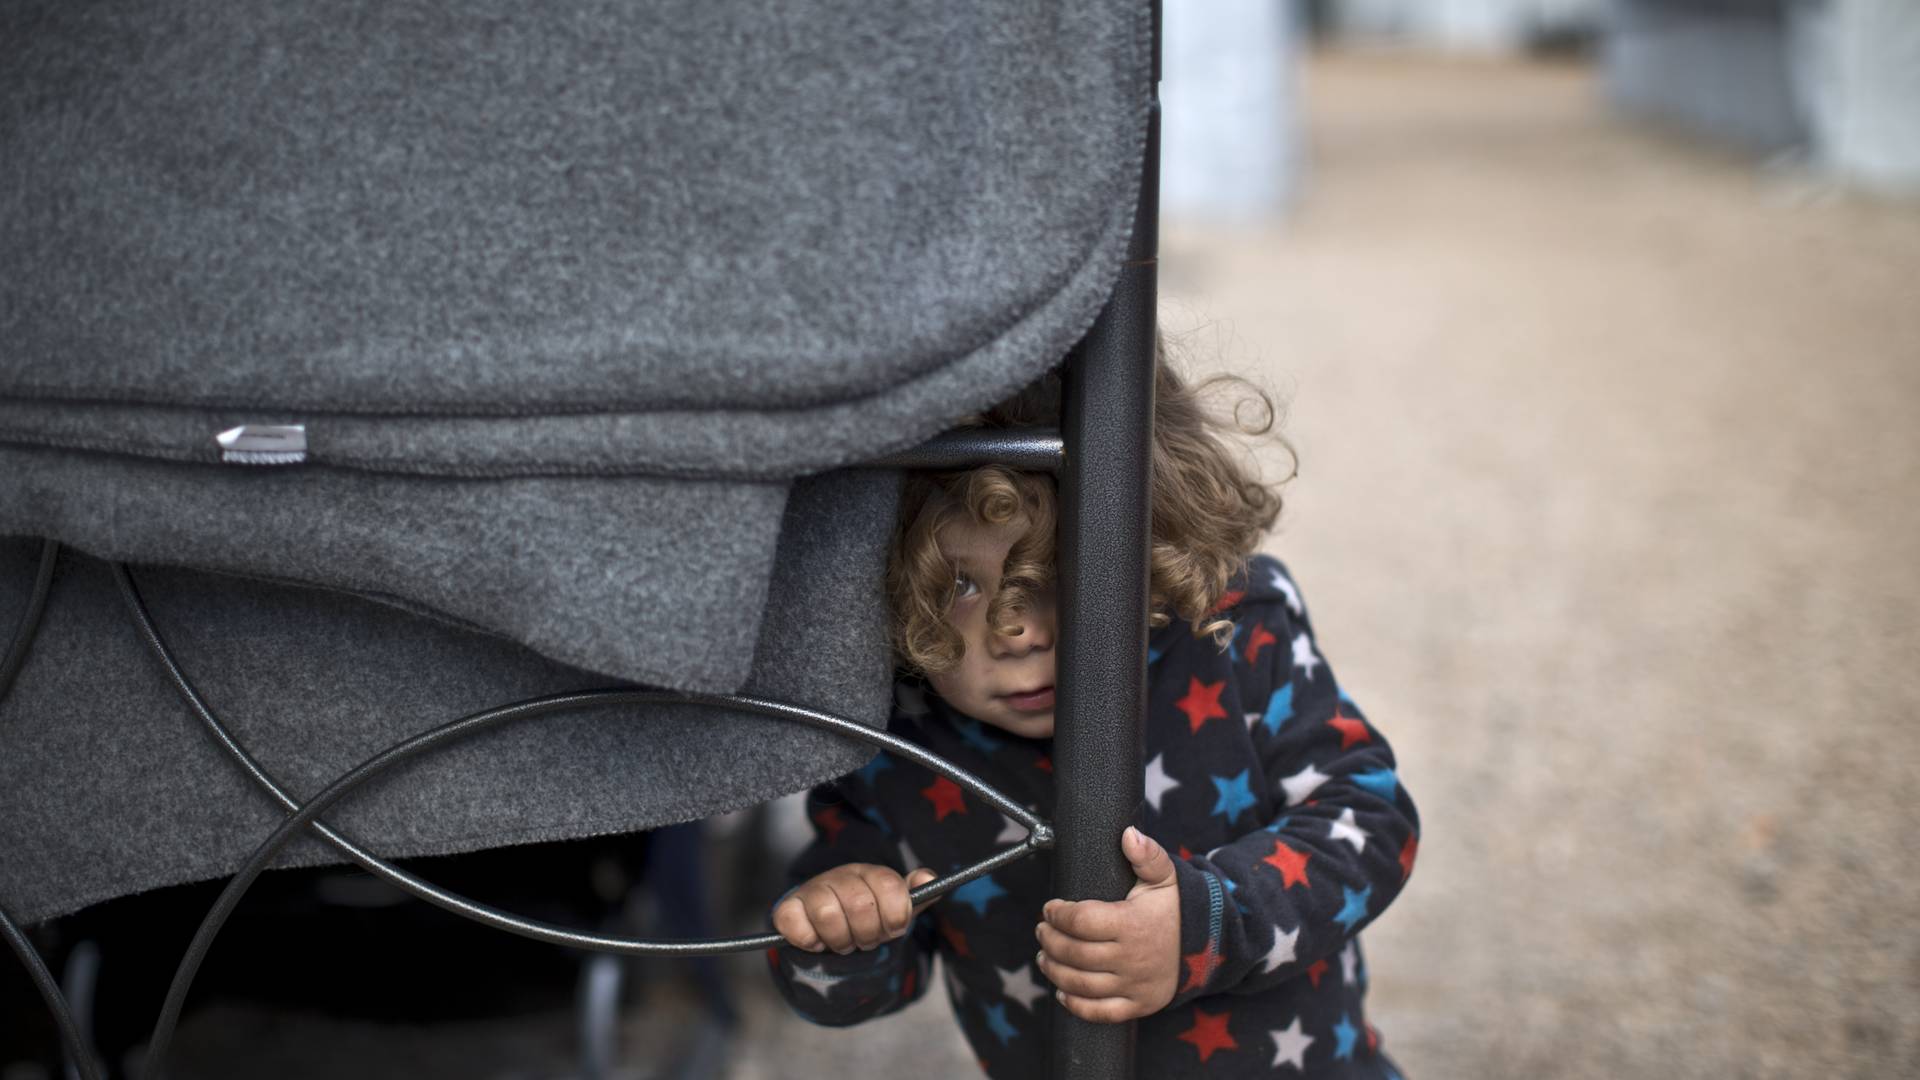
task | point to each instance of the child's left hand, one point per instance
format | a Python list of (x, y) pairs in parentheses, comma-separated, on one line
[(1117, 960)]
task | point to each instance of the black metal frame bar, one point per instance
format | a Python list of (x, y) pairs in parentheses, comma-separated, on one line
[(1105, 527)]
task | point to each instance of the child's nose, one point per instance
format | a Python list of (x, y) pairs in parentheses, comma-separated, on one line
[(1037, 625)]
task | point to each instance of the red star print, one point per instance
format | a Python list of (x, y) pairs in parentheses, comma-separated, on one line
[(1209, 1033), (956, 940), (1200, 966), (946, 797), (1229, 599), (773, 956), (1259, 639), (1291, 864), (1373, 1039), (1185, 855), (1318, 969), (906, 990), (830, 822), (1352, 730), (1407, 853), (1202, 702), (1045, 764)]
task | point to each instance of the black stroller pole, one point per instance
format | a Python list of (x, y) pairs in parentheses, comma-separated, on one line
[(1105, 525)]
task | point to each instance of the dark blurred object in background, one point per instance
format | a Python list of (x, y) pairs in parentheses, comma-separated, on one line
[(340, 945)]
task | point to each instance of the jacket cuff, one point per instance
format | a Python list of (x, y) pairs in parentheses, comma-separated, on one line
[(1203, 903), (829, 988)]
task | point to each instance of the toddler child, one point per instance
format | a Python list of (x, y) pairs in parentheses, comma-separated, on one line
[(1274, 827)]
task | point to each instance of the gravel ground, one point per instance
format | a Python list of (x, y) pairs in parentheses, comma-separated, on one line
[(1607, 512)]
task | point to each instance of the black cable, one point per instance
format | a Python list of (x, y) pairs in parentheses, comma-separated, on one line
[(474, 724), (1040, 834), (29, 627), (78, 1052)]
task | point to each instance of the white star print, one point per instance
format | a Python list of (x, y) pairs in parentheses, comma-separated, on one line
[(909, 862), (1252, 719), (1019, 986), (1011, 833), (1302, 784), (815, 978), (1293, 595), (1349, 959), (1290, 1046), (1349, 830), (1303, 654), (1282, 951), (1158, 782)]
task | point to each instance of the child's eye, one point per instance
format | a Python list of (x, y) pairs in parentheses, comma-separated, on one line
[(963, 587)]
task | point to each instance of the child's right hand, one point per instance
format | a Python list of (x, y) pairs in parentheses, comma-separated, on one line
[(856, 906)]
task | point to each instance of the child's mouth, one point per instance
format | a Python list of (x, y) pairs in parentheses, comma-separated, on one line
[(1040, 700)]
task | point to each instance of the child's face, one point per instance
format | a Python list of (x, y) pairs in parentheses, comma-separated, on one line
[(1003, 680)]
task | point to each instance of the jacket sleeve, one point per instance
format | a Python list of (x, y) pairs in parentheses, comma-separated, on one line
[(835, 990), (1277, 902)]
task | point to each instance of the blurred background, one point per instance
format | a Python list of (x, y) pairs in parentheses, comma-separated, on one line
[(1598, 324)]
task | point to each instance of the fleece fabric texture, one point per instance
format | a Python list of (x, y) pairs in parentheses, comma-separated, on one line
[(799, 234), (565, 296), (112, 786), (1290, 829), (476, 242)]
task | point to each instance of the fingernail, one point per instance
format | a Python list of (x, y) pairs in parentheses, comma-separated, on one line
[(1038, 957)]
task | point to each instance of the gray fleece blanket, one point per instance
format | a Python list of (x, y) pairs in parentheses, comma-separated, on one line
[(563, 299)]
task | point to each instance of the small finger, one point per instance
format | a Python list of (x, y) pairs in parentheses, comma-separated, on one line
[(829, 921), (1110, 1010), (790, 920), (890, 896), (862, 911), (1088, 920), (1091, 955), (1079, 982)]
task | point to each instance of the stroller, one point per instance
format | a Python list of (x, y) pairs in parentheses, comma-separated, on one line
[(367, 367)]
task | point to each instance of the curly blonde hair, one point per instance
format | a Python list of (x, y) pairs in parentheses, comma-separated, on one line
[(1210, 509)]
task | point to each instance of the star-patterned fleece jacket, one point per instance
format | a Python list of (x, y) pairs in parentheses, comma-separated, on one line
[(1291, 829)]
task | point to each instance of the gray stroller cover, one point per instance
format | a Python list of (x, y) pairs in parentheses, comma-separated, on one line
[(563, 317)]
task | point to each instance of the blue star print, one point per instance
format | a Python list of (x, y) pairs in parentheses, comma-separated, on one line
[(1355, 908), (1235, 798), (871, 770), (1279, 709), (1231, 890), (972, 734), (997, 1020), (1348, 1035), (1379, 781), (978, 893)]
